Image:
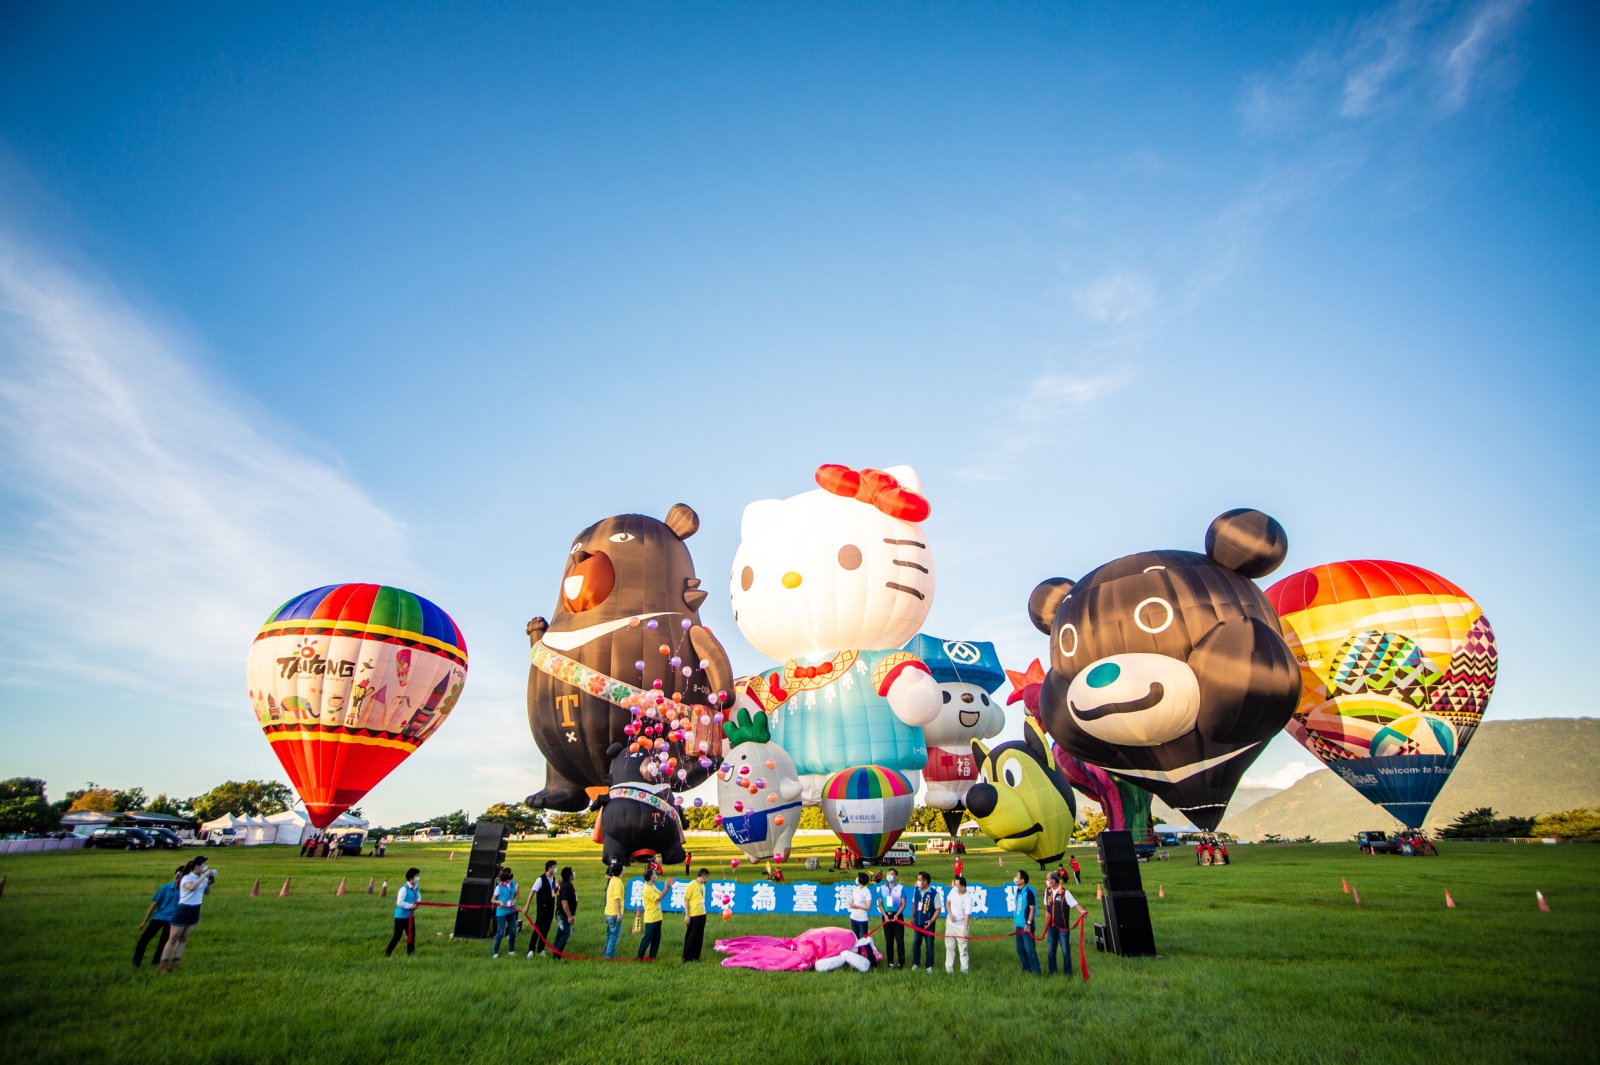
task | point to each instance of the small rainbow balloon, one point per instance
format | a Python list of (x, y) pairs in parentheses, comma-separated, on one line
[(867, 807)]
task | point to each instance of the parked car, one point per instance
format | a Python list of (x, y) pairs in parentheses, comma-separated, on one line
[(164, 838), (427, 835), (224, 837), (125, 839)]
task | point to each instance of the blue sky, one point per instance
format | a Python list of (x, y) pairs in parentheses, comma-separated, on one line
[(292, 296)]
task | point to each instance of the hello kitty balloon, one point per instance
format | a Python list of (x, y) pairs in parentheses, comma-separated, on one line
[(831, 583)]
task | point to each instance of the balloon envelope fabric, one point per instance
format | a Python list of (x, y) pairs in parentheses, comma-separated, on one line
[(346, 681), (1397, 665), (867, 807)]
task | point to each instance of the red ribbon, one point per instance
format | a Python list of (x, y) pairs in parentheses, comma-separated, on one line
[(875, 488)]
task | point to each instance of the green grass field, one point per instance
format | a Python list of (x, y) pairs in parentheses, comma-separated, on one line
[(1265, 960)]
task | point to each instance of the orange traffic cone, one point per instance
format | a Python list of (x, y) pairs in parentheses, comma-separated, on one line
[(1449, 903), (1544, 907), (385, 892), (1356, 895), (452, 857), (285, 889), (255, 889), (340, 890), (1344, 884), (1001, 861), (370, 881), (1099, 893), (1161, 891)]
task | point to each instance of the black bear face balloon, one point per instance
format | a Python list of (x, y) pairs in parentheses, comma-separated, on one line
[(625, 632), (1167, 668)]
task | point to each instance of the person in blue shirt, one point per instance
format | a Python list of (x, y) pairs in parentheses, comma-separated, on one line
[(405, 916), (158, 918), (924, 913), (892, 905), (505, 911), (1024, 908)]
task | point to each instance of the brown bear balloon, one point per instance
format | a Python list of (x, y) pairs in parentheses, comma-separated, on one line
[(625, 633), (1167, 668)]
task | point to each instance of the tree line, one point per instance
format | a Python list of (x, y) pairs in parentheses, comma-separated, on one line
[(25, 806)]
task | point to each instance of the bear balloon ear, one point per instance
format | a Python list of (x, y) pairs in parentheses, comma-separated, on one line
[(1045, 599), (613, 750), (682, 520), (1247, 541)]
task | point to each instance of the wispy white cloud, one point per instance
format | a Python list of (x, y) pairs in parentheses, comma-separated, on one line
[(1284, 777), (1115, 297), (150, 516), (1486, 29), (1412, 60), (1046, 404)]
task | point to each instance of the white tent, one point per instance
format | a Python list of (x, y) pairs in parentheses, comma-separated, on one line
[(293, 826), (238, 824)]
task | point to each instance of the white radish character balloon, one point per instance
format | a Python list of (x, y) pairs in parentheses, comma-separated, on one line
[(831, 583), (758, 790)]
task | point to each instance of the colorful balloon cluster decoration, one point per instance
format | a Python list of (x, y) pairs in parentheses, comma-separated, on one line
[(622, 648), (347, 681), (1397, 665), (868, 807)]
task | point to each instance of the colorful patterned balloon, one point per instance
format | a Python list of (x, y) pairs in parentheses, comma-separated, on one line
[(347, 681), (867, 807), (1397, 665)]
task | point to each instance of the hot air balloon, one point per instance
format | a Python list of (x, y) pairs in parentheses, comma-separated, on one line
[(831, 583), (347, 681), (1397, 665), (1167, 668), (867, 807)]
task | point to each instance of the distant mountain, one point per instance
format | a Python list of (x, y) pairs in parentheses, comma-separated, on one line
[(1521, 768)]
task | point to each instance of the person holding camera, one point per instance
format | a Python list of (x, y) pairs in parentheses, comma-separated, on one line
[(192, 891)]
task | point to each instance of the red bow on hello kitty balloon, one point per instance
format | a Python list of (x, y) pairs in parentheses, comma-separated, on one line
[(876, 488)]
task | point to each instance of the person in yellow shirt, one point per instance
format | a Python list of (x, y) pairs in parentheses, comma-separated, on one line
[(613, 910), (653, 890), (694, 915)]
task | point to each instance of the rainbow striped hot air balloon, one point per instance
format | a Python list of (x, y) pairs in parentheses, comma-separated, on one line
[(347, 681), (867, 807), (1397, 665)]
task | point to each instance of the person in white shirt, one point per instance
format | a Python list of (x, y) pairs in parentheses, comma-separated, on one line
[(957, 910), (860, 905), (192, 889)]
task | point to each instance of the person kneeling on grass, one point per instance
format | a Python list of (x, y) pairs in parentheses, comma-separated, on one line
[(192, 890), (505, 911), (405, 912), (566, 911), (651, 941)]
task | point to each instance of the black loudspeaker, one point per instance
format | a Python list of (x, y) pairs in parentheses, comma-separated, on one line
[(1127, 929), (475, 918), (488, 849), (1128, 924)]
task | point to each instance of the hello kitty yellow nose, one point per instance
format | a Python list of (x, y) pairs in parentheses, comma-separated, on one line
[(791, 579)]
